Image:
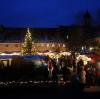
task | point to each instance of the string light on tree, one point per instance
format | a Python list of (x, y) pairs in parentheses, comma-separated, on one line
[(27, 46)]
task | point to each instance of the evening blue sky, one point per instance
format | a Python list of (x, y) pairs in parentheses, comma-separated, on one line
[(46, 13)]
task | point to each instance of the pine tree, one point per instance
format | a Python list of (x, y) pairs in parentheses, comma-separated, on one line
[(27, 46)]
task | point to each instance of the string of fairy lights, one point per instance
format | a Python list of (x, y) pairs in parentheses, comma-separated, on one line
[(27, 45)]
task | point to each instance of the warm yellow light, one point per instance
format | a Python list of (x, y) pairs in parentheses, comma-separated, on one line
[(3, 54), (59, 45), (91, 48), (47, 45), (53, 45), (84, 58), (65, 53), (42, 44)]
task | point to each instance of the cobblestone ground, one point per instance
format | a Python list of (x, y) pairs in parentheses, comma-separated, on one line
[(45, 90)]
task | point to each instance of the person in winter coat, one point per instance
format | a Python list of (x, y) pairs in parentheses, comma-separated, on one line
[(50, 68)]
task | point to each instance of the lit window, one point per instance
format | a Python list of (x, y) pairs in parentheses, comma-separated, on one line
[(42, 44), (47, 45), (53, 45), (16, 45)]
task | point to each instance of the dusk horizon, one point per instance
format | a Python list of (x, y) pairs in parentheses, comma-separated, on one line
[(51, 13)]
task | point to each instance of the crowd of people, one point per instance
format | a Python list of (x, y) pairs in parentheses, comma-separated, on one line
[(64, 68), (70, 69)]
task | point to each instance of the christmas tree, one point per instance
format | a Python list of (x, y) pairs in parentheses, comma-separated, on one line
[(27, 46)]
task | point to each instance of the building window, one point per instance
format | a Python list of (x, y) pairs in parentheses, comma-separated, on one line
[(47, 45), (6, 45), (53, 45), (59, 45), (16, 45), (42, 44)]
